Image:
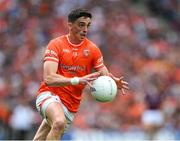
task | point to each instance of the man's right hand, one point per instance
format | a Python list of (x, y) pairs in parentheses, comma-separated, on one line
[(89, 78)]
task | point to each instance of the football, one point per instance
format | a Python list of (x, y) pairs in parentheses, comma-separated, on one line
[(104, 89)]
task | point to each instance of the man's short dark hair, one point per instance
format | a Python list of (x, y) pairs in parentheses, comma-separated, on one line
[(77, 13)]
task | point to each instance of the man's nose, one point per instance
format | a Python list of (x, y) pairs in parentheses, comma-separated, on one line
[(85, 29)]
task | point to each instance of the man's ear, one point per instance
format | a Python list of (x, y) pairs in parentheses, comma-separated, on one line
[(69, 25)]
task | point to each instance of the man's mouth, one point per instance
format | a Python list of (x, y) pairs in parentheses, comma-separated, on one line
[(83, 35)]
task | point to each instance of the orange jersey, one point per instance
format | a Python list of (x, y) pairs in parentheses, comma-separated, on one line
[(73, 60)]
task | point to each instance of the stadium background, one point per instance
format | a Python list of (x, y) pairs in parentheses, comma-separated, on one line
[(139, 39)]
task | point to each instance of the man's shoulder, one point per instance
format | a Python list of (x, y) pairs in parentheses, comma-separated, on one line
[(91, 43), (59, 39)]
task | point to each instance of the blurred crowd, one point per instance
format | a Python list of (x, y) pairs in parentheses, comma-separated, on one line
[(138, 39)]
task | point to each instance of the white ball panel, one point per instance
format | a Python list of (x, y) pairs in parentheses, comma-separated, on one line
[(105, 89)]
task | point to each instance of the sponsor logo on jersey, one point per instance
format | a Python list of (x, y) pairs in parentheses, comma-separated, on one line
[(66, 50), (51, 52), (100, 60), (73, 68)]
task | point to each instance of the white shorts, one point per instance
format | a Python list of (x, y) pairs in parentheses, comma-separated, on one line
[(153, 117), (44, 99)]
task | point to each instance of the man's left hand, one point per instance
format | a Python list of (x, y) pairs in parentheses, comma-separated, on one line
[(121, 84)]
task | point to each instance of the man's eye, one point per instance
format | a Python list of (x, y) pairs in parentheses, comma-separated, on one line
[(81, 25)]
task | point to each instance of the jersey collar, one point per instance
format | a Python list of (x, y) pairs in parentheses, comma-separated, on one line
[(74, 45)]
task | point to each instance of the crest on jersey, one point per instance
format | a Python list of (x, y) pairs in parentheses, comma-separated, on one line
[(86, 52)]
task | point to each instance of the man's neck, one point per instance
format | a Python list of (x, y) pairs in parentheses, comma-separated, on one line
[(73, 40)]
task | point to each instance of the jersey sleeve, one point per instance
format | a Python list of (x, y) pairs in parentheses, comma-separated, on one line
[(97, 59), (51, 53)]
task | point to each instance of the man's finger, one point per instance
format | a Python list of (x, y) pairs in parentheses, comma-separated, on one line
[(125, 87), (123, 92), (121, 78), (124, 82), (89, 84)]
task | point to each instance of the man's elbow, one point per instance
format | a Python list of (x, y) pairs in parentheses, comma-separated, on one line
[(48, 80), (103, 71)]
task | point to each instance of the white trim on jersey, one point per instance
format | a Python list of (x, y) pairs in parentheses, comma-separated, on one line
[(98, 65), (72, 43), (53, 58)]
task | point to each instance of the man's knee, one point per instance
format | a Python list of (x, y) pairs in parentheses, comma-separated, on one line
[(58, 124)]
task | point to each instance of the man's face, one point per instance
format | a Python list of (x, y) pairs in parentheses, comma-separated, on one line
[(79, 28)]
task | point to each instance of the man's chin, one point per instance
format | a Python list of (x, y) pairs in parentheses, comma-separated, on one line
[(82, 38)]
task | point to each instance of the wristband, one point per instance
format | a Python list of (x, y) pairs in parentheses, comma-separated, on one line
[(74, 80)]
